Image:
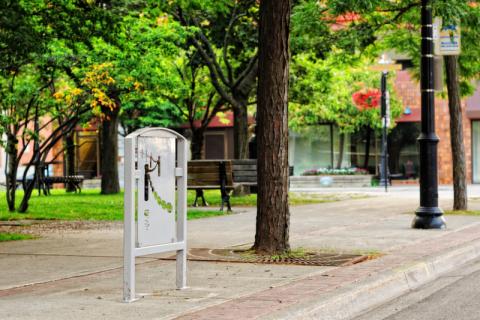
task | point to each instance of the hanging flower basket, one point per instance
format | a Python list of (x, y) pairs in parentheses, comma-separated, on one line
[(367, 99)]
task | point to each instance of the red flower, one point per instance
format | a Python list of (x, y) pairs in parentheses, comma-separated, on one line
[(367, 99)]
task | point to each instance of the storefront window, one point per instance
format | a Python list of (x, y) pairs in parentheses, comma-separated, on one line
[(403, 149), (317, 147)]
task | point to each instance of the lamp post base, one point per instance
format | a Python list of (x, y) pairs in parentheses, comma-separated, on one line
[(429, 218)]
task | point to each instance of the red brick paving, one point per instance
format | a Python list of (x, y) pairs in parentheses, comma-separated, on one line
[(265, 302)]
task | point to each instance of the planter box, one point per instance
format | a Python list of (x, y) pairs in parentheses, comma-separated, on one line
[(337, 181)]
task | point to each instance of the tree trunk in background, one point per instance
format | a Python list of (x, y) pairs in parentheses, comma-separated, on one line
[(240, 139), (109, 152), (196, 147), (456, 134), (240, 132), (197, 144), (273, 216), (70, 159), (28, 187), (367, 148), (11, 174), (341, 146)]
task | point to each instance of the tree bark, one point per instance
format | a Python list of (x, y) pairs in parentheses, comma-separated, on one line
[(70, 159), (273, 216), (240, 132), (109, 155), (197, 144), (456, 134), (12, 167)]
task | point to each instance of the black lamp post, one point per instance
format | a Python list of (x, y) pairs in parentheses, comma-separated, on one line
[(384, 65), (384, 159), (428, 215)]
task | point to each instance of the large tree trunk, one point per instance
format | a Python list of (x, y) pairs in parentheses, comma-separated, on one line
[(109, 156), (456, 135), (273, 216), (11, 173), (70, 159), (240, 132)]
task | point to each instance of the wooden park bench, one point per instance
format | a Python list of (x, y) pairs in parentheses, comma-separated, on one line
[(223, 175), (210, 175)]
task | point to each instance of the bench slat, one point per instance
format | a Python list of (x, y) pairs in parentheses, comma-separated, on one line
[(203, 171), (237, 174), (244, 162), (201, 175), (246, 179), (241, 167)]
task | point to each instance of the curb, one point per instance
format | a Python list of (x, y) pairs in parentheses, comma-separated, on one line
[(353, 299), (343, 293)]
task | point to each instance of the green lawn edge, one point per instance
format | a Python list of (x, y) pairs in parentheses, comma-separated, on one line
[(14, 236)]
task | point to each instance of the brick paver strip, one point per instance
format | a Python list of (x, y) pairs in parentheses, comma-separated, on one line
[(265, 302)]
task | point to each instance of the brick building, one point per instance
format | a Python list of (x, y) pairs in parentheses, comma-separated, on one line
[(409, 91)]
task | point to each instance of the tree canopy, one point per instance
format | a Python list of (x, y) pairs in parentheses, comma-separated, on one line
[(165, 63)]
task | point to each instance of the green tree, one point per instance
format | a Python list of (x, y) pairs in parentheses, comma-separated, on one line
[(127, 71), (323, 91), (83, 27), (22, 41), (224, 34), (194, 97)]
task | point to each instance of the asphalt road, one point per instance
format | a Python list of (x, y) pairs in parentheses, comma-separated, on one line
[(455, 296)]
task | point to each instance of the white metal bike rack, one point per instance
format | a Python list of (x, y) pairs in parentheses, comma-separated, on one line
[(156, 191)]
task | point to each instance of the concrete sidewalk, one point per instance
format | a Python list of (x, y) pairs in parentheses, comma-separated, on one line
[(77, 274)]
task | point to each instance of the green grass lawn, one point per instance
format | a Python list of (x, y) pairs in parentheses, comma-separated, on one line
[(14, 236), (463, 212), (91, 205), (88, 205)]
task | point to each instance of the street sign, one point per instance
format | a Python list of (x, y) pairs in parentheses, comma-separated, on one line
[(156, 190), (447, 39)]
